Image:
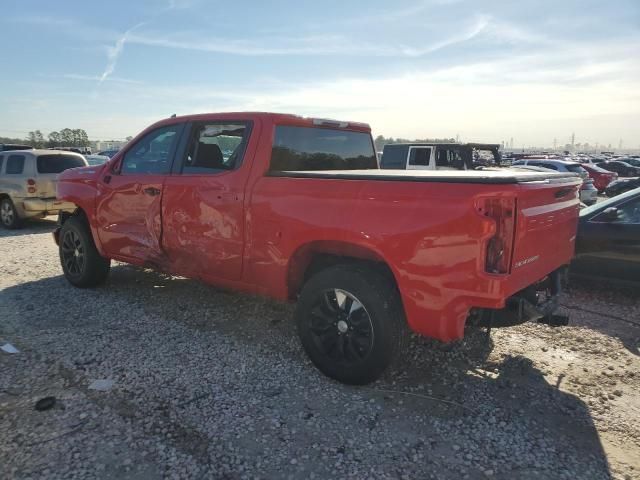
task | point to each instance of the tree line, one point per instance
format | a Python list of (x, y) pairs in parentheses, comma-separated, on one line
[(67, 137), (380, 141)]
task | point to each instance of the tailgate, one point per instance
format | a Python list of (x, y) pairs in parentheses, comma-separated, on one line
[(546, 224)]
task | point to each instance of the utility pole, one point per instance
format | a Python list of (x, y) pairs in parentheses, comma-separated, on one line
[(573, 141), (555, 144)]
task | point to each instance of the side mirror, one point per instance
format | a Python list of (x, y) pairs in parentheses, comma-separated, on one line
[(610, 214)]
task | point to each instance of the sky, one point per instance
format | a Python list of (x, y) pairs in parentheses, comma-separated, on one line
[(486, 70)]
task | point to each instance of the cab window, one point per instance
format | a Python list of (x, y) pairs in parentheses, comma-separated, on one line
[(216, 147), (152, 154)]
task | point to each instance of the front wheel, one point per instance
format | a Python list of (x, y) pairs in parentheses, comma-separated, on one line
[(81, 263), (351, 323)]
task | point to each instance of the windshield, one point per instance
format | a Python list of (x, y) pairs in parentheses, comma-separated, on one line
[(58, 163), (609, 202)]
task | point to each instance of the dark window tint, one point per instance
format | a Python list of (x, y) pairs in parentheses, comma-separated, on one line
[(58, 163), (550, 166), (152, 153), (15, 164), (304, 148), (419, 157), (1, 162), (215, 147), (449, 158)]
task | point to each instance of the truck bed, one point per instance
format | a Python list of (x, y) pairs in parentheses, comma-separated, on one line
[(492, 177)]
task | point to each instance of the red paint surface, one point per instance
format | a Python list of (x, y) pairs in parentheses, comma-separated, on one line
[(247, 231)]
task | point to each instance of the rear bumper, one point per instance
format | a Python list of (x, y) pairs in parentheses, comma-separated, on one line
[(524, 306), (49, 205)]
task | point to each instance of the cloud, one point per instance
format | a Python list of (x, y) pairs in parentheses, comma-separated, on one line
[(305, 45), (97, 78), (477, 27), (44, 20), (113, 53)]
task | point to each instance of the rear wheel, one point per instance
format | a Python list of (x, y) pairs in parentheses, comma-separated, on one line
[(81, 263), (351, 323), (8, 214)]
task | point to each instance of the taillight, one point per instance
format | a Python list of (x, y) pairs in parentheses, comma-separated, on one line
[(499, 247), (31, 181)]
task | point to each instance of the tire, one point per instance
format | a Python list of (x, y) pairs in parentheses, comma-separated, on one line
[(81, 263), (350, 343), (9, 215)]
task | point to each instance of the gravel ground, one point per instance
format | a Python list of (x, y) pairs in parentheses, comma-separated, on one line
[(212, 384)]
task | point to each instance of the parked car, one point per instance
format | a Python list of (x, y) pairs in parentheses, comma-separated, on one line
[(622, 185), (601, 177), (108, 153), (438, 156), (28, 184), (300, 211), (588, 193), (623, 169), (608, 241), (96, 159), (80, 150), (5, 147), (634, 162)]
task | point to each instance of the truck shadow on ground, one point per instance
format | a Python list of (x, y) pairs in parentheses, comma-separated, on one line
[(459, 400), (31, 227)]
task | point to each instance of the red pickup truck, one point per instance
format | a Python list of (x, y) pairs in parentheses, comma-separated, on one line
[(296, 209)]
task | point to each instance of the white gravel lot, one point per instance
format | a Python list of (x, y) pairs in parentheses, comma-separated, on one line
[(212, 384)]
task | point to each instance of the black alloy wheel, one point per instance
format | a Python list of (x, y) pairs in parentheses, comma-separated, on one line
[(341, 327), (72, 253)]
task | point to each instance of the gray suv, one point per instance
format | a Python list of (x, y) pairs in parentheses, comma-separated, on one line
[(28, 183)]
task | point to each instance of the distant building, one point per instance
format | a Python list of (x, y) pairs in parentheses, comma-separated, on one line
[(109, 145)]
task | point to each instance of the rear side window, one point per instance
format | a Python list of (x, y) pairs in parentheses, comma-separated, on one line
[(308, 148), (577, 169), (550, 166), (15, 164), (419, 157), (1, 162), (58, 163)]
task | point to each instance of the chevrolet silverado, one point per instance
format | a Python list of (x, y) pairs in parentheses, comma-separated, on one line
[(296, 209)]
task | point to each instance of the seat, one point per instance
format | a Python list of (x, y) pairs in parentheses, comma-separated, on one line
[(209, 156)]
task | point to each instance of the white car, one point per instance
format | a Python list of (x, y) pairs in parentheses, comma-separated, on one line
[(28, 181)]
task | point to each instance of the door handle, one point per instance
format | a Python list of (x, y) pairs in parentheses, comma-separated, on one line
[(152, 191)]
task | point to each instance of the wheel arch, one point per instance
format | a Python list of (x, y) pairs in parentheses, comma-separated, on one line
[(313, 257)]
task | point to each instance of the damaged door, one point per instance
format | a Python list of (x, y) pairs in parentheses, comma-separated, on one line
[(129, 201)]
